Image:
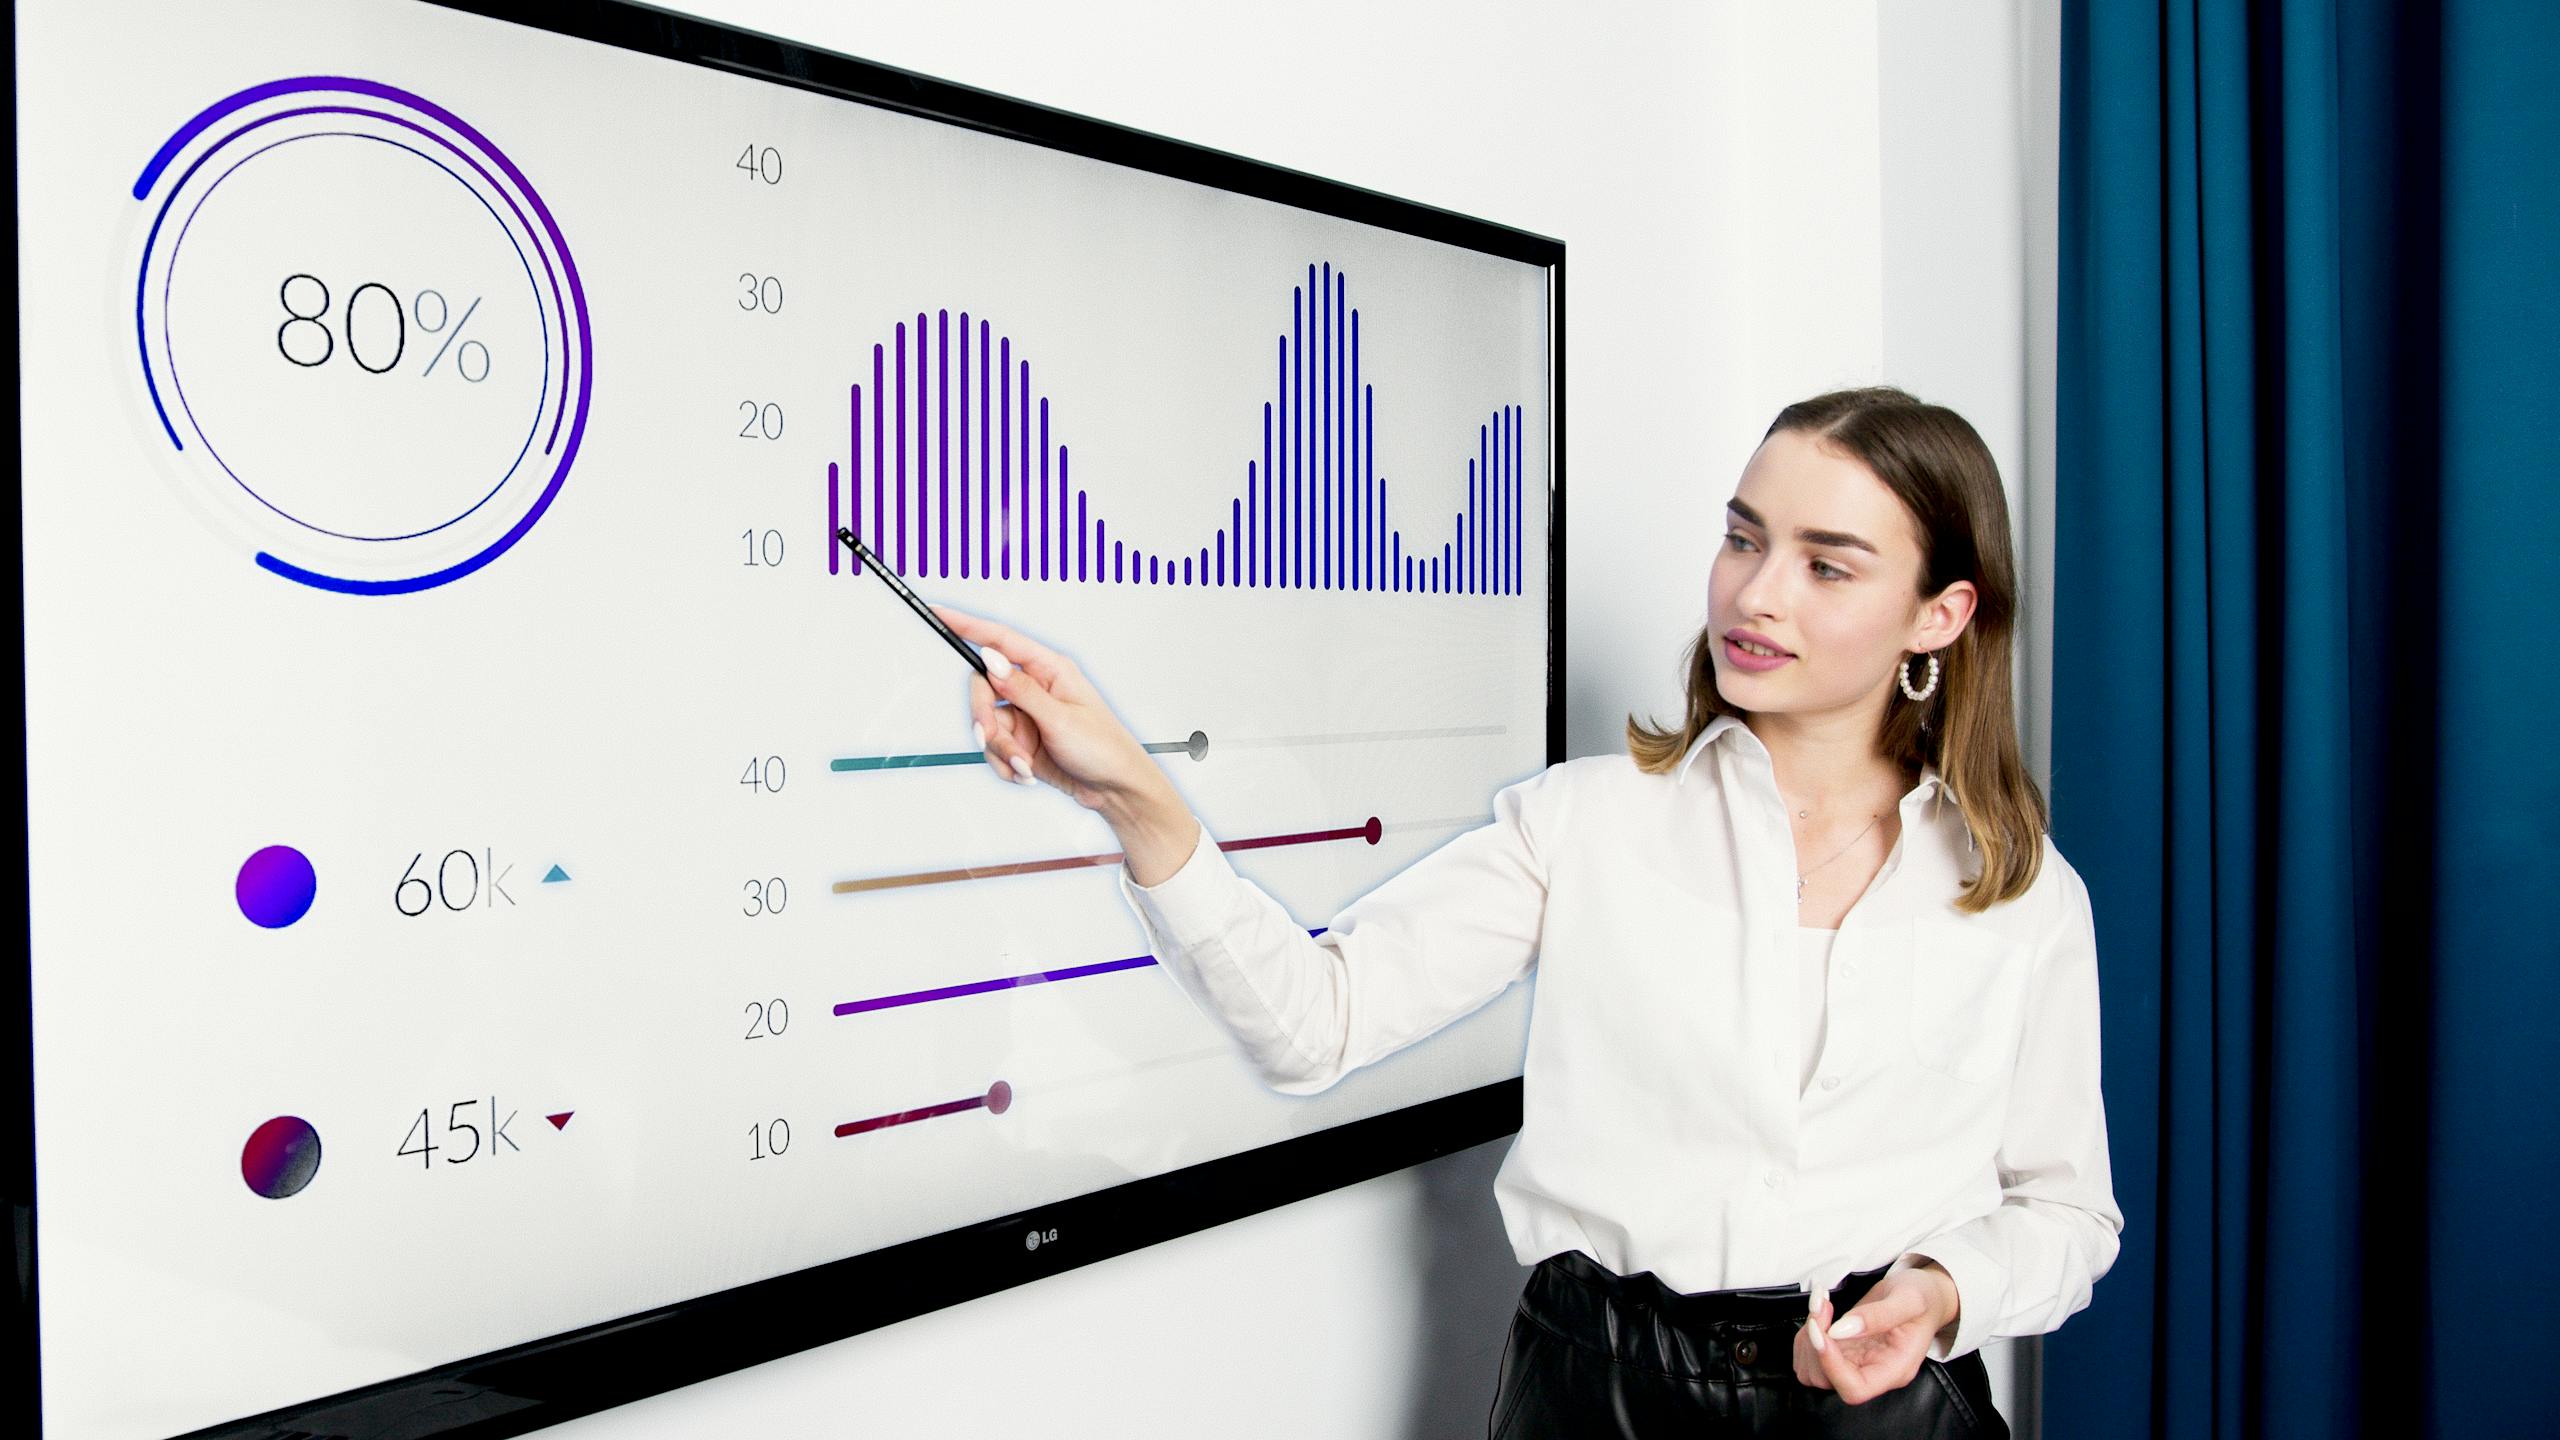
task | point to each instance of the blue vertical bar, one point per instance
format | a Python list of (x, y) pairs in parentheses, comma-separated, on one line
[(1475, 522), (1235, 526), (1467, 533), (1369, 438), (1044, 493), (1334, 401), (1080, 535), (964, 442), (1293, 453), (1115, 561), (1270, 517), (834, 517), (1222, 559), (1059, 530), (1363, 518), (1324, 430), (1245, 543)]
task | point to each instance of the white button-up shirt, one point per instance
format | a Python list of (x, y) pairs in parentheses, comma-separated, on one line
[(1954, 1112)]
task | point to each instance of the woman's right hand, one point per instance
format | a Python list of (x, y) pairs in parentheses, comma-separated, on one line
[(1054, 726)]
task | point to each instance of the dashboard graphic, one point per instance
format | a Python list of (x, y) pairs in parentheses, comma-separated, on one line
[(582, 949)]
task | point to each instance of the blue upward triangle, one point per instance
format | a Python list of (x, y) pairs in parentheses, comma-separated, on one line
[(556, 876)]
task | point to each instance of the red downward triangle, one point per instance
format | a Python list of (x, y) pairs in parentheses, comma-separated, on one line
[(561, 1120)]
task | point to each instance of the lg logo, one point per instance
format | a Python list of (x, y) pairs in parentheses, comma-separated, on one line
[(1034, 1239)]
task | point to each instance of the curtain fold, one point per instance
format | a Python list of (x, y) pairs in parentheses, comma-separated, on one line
[(2308, 552)]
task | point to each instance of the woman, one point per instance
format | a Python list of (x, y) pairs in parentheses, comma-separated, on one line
[(1811, 1102)]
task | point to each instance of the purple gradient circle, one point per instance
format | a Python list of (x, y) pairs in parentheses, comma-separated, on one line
[(276, 886), (999, 1098), (281, 1157)]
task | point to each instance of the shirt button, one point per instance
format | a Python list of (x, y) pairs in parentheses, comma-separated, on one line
[(1830, 1082), (1773, 1179)]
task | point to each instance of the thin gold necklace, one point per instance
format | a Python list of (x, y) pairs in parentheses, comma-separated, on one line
[(1843, 850)]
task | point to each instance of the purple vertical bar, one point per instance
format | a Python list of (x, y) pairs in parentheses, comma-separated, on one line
[(1080, 535), (1235, 526), (1222, 558), (1004, 458), (1186, 569), (879, 468), (1025, 517), (1395, 551), (1520, 505), (857, 472), (1252, 525), (984, 568), (1467, 534), (833, 520), (924, 437), (1448, 561), (964, 442), (900, 559), (1116, 557), (1044, 494), (1154, 577), (942, 444), (1062, 512)]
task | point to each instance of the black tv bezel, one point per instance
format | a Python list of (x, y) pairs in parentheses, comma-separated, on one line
[(579, 1372)]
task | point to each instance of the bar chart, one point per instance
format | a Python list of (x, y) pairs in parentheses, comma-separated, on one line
[(1313, 513)]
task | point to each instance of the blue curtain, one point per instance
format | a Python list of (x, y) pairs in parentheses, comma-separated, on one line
[(2308, 564)]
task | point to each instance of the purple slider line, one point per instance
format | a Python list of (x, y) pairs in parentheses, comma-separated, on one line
[(901, 557), (1118, 550), (1520, 497), (1221, 578), (1327, 512), (1044, 490), (1270, 516), (1484, 469), (1059, 532), (1235, 527), (1080, 534), (942, 429), (982, 987), (1501, 506), (1004, 459), (964, 442), (1363, 518), (833, 520)]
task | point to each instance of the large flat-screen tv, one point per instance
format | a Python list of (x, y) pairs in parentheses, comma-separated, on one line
[(515, 918)]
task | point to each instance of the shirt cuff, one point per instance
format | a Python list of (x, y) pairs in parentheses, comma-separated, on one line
[(1975, 1283), (1194, 902)]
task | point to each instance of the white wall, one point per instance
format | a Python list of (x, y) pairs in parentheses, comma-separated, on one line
[(1760, 201)]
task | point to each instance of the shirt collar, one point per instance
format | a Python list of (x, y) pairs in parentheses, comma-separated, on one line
[(1932, 787)]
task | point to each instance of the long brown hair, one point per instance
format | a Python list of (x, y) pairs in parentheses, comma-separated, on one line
[(1945, 476)]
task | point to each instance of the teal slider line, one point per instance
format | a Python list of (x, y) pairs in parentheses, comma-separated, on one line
[(1196, 746)]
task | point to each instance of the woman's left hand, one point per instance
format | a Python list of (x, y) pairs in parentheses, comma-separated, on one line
[(1890, 1330)]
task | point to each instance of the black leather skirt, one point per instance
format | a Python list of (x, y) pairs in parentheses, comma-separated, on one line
[(1596, 1354)]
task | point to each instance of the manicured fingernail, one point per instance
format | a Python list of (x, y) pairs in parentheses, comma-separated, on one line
[(1022, 768), (978, 733), (1850, 1328), (996, 662), (1815, 1326)]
